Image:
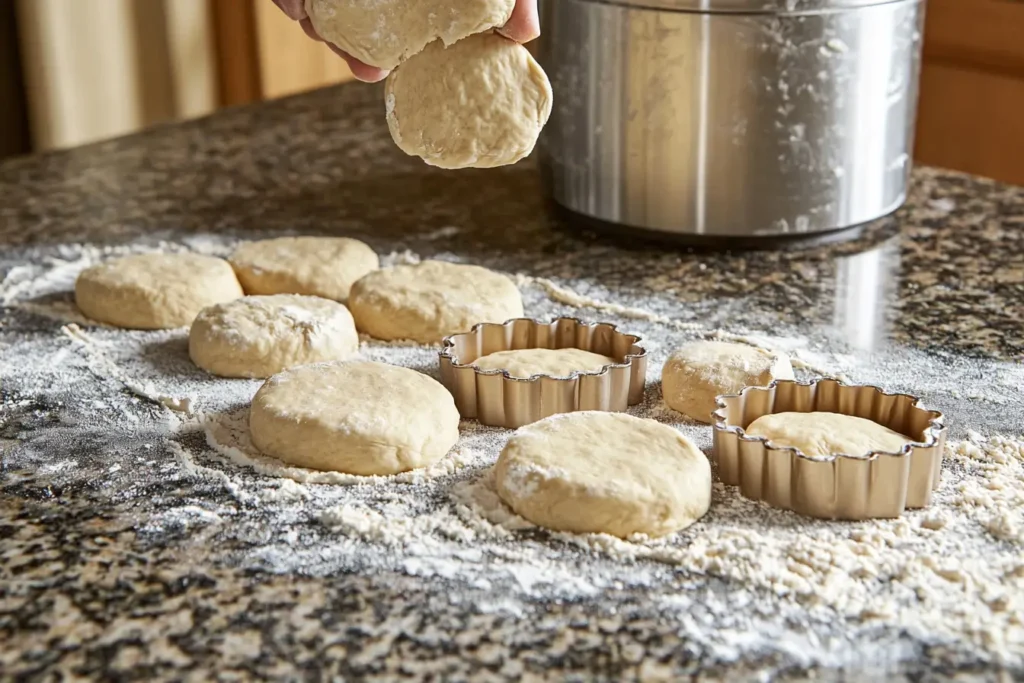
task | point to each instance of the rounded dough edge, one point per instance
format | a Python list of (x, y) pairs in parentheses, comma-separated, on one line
[(314, 266), (430, 300), (368, 418), (820, 435), (511, 102), (596, 472), (154, 291), (258, 336), (697, 373)]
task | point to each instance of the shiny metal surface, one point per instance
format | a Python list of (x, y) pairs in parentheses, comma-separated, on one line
[(789, 117), (496, 398), (839, 486)]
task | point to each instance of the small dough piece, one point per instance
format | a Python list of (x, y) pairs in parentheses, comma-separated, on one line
[(354, 417), (698, 372), (259, 336), (430, 300), (819, 435), (384, 33), (480, 103), (526, 363), (154, 291), (596, 472), (317, 266)]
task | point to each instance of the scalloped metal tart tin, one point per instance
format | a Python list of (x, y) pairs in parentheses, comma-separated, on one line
[(852, 487), (496, 398)]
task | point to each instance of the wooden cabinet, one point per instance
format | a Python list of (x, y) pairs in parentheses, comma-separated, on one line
[(265, 55), (972, 88)]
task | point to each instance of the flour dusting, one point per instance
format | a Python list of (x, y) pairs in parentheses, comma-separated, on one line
[(746, 579)]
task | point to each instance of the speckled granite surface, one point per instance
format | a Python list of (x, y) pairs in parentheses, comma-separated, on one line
[(85, 592)]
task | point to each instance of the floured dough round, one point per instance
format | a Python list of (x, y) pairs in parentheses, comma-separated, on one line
[(822, 434), (258, 336), (154, 291), (354, 417), (525, 363), (595, 472), (383, 33), (698, 372), (318, 266), (430, 300), (479, 103)]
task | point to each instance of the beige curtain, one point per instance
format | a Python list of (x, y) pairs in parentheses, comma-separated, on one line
[(100, 68)]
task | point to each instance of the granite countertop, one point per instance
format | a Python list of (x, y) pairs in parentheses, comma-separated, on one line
[(85, 590)]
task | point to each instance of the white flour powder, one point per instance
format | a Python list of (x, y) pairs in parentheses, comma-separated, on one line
[(745, 579)]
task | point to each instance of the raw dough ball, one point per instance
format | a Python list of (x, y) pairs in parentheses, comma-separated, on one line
[(258, 336), (318, 266), (154, 291), (525, 363), (595, 472), (354, 417), (385, 33), (480, 103), (695, 374), (823, 434), (430, 300)]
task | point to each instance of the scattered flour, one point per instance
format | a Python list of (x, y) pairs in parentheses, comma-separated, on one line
[(745, 579)]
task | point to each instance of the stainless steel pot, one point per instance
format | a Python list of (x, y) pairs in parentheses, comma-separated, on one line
[(731, 118)]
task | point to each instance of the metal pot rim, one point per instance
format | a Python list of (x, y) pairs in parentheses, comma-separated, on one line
[(776, 7)]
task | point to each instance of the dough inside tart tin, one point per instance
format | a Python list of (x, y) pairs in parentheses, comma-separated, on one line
[(821, 435), (559, 363)]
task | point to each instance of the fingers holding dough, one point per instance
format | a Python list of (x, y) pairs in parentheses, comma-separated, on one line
[(385, 33)]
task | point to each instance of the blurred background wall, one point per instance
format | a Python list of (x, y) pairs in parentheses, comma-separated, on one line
[(75, 71)]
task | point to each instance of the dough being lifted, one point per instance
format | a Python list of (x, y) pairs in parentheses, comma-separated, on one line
[(818, 435), (430, 300), (317, 266), (384, 33), (526, 363), (479, 103), (698, 372), (258, 336), (594, 472), (354, 417), (154, 291)]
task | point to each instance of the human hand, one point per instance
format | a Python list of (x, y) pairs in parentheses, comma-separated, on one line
[(522, 27)]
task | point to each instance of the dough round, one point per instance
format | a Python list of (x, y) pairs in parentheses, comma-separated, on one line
[(258, 336), (595, 472), (317, 266), (480, 103), (526, 363), (698, 372), (354, 417), (430, 300), (384, 33), (154, 291), (819, 435)]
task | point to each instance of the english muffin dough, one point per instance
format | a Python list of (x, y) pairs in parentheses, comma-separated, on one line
[(595, 472), (821, 434), (317, 266), (525, 363), (383, 33), (430, 300), (698, 372), (354, 417), (479, 103), (258, 336), (154, 291)]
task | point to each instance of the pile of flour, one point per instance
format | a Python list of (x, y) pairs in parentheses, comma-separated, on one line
[(746, 579)]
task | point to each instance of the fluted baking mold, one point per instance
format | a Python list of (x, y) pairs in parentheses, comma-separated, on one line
[(495, 398), (858, 486)]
